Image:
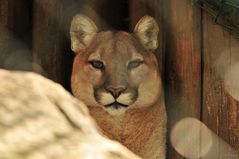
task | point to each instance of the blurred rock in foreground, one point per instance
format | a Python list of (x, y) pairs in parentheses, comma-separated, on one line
[(40, 120)]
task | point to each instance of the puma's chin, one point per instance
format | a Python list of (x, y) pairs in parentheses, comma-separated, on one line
[(116, 108), (116, 111)]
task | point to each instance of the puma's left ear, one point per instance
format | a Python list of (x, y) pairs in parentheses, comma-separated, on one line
[(147, 31)]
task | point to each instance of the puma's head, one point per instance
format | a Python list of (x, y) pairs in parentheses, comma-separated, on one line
[(115, 70)]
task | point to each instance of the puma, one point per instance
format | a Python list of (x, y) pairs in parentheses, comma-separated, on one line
[(115, 73)]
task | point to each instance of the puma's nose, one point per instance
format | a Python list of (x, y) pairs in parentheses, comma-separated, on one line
[(115, 91)]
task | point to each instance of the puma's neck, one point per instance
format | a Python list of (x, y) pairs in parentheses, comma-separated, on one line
[(134, 128)]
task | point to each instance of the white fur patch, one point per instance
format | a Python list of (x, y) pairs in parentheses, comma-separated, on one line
[(149, 91), (124, 99), (116, 112), (106, 98)]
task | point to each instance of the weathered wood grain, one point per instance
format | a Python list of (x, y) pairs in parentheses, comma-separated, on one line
[(182, 63), (51, 45), (220, 109), (47, 50), (15, 34)]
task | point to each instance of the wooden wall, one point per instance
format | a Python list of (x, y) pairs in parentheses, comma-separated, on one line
[(194, 53), (220, 111), (198, 55), (15, 34), (183, 63)]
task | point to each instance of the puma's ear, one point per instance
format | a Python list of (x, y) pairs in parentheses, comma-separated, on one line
[(82, 31), (147, 31)]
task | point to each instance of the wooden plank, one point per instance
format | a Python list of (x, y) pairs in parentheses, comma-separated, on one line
[(220, 110), (4, 39), (51, 45), (182, 64), (15, 30), (46, 40)]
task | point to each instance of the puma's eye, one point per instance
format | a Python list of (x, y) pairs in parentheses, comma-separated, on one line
[(134, 64), (97, 64)]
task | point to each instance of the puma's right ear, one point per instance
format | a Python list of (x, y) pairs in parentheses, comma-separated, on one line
[(82, 31)]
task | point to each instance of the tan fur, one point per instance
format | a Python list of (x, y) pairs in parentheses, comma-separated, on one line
[(141, 126)]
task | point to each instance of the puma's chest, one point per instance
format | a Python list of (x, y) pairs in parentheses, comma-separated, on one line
[(134, 130)]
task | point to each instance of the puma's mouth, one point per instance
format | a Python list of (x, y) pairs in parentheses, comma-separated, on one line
[(116, 105)]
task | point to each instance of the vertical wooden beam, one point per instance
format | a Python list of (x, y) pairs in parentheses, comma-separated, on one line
[(51, 44), (220, 109), (183, 63), (15, 34), (4, 24), (46, 39)]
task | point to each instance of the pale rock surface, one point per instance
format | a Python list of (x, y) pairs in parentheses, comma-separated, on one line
[(40, 120)]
